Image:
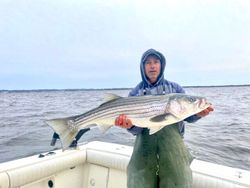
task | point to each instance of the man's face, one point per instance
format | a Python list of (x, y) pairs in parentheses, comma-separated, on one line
[(152, 68)]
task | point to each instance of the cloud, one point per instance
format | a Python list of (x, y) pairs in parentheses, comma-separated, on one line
[(100, 43)]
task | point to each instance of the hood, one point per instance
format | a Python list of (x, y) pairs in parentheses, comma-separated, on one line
[(163, 63)]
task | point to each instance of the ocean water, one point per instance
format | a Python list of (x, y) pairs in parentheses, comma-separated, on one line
[(223, 137)]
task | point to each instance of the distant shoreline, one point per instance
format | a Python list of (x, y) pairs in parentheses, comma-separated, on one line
[(100, 89)]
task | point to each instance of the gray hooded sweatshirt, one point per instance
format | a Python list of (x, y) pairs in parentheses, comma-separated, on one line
[(160, 87)]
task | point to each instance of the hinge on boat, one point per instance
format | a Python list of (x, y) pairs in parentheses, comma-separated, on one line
[(238, 174)]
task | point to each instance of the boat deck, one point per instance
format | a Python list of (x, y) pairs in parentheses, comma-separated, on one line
[(102, 165)]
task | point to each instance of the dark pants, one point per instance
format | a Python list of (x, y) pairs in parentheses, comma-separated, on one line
[(160, 160)]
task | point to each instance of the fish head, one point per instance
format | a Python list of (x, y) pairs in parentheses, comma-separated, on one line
[(183, 106)]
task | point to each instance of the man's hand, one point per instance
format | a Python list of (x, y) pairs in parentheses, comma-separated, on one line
[(123, 121), (205, 112)]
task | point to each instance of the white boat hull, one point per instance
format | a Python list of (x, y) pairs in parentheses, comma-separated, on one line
[(102, 165)]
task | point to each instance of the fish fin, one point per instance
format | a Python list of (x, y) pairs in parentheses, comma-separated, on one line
[(61, 127), (104, 127), (153, 130), (111, 97), (159, 118)]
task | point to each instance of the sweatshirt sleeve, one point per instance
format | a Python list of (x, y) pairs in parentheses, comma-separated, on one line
[(179, 89), (135, 130), (192, 119)]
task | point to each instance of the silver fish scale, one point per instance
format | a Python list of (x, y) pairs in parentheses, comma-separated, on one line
[(111, 112), (136, 107)]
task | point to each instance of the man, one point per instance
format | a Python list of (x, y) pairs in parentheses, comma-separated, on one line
[(158, 160)]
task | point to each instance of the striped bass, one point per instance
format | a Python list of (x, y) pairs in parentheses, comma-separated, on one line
[(152, 112)]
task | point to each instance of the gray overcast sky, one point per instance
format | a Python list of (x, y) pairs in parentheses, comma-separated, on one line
[(54, 44)]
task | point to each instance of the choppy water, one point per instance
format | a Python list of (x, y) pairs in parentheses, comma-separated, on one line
[(222, 137)]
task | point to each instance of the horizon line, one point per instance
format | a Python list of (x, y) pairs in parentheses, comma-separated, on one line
[(125, 88)]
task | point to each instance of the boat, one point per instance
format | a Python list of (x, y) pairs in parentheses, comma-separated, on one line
[(102, 165)]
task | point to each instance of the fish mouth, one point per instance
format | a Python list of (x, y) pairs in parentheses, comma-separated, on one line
[(203, 103)]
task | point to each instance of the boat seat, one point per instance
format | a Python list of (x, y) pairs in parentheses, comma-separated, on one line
[(109, 155), (211, 175), (33, 168)]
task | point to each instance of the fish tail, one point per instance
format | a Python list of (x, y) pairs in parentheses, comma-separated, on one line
[(61, 127)]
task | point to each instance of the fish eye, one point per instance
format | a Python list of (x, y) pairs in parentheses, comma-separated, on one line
[(191, 99)]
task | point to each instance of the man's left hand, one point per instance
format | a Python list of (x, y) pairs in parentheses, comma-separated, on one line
[(205, 112)]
